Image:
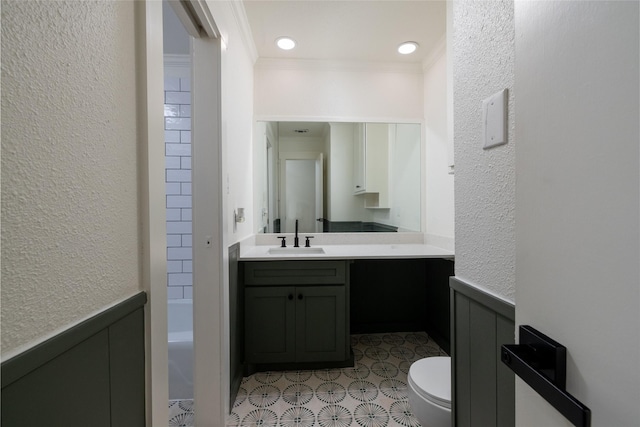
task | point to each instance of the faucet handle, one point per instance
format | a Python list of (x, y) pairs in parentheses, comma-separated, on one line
[(284, 241), (306, 244)]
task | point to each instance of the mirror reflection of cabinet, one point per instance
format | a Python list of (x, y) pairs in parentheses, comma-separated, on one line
[(396, 209), (359, 176), (371, 164)]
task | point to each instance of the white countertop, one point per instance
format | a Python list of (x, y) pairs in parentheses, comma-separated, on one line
[(349, 251)]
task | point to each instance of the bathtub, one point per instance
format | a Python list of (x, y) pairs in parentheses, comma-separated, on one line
[(180, 325)]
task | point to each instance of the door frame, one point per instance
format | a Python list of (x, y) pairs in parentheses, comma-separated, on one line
[(283, 156), (152, 210), (209, 384)]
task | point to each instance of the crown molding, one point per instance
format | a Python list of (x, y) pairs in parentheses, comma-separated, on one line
[(439, 49), (177, 65), (339, 119), (240, 15), (331, 65), (177, 60)]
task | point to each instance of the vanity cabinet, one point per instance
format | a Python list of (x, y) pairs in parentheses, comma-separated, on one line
[(371, 164), (296, 314)]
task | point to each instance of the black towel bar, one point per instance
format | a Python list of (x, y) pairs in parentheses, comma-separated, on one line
[(542, 363)]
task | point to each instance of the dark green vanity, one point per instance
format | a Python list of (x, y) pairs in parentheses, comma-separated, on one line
[(299, 314), (296, 314), (401, 295)]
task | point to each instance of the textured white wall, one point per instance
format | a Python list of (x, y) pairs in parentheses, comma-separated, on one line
[(70, 243), (483, 63), (578, 200), (439, 184), (343, 92)]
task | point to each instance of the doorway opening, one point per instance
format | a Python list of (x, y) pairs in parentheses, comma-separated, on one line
[(302, 198), (179, 208)]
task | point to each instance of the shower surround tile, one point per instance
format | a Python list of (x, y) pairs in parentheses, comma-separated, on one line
[(373, 393)]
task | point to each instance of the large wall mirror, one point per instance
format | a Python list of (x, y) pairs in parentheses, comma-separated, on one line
[(338, 177)]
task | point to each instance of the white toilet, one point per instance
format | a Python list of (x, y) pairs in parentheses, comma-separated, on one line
[(430, 391)]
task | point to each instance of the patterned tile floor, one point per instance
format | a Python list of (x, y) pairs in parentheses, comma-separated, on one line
[(371, 394)]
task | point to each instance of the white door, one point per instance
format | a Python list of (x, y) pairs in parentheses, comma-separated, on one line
[(319, 194), (301, 183), (578, 200)]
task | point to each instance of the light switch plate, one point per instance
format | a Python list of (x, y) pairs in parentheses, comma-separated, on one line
[(494, 116)]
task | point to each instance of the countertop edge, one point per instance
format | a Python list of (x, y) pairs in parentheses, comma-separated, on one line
[(346, 252)]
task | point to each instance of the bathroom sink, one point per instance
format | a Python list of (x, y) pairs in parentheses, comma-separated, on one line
[(295, 251)]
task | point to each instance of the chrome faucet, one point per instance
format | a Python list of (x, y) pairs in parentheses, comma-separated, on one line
[(295, 239)]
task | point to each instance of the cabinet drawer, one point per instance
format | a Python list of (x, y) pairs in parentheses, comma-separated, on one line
[(294, 272)]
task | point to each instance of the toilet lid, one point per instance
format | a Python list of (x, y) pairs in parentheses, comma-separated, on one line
[(432, 379)]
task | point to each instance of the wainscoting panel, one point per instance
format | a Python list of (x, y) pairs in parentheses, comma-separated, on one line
[(483, 388), (90, 375), (236, 321)]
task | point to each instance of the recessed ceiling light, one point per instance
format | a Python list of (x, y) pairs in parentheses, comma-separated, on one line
[(407, 48), (286, 43)]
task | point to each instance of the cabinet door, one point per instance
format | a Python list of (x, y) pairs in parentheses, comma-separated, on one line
[(359, 154), (270, 324), (321, 329)]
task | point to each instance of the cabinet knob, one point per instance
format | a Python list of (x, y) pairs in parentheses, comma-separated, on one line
[(299, 296), (290, 297)]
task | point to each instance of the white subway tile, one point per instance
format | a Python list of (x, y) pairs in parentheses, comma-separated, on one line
[(174, 266), (188, 292), (178, 201), (179, 254), (185, 84), (187, 266), (171, 110), (173, 215), (178, 175), (177, 123), (185, 162), (172, 84), (173, 188), (176, 292), (177, 98), (187, 241), (185, 188), (171, 136), (186, 215), (180, 279), (172, 162), (178, 149), (185, 136), (178, 227), (185, 111), (174, 241)]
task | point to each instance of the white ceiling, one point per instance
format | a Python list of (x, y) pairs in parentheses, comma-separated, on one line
[(355, 30), (301, 129)]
